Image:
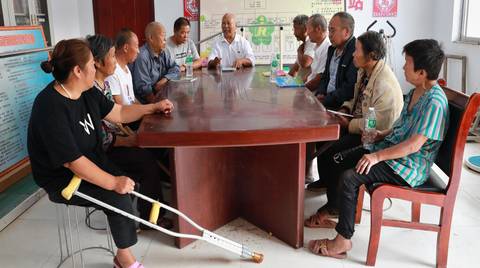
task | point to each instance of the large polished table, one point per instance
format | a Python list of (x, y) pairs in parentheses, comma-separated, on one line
[(238, 150)]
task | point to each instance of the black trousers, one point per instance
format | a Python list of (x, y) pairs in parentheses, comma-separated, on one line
[(337, 166), (339, 157), (350, 182), (141, 166), (123, 229)]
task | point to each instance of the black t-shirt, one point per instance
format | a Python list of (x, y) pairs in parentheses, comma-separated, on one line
[(61, 130)]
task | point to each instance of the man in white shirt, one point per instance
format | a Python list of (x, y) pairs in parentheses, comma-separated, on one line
[(305, 52), (317, 32), (231, 50), (126, 51), (179, 44)]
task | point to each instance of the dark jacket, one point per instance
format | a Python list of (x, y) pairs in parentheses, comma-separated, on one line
[(346, 77)]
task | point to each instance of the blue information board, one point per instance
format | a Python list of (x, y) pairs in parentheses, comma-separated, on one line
[(21, 79)]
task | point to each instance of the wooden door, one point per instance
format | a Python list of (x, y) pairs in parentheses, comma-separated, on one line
[(112, 15)]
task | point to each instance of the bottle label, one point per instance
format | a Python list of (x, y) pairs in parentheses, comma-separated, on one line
[(372, 123)]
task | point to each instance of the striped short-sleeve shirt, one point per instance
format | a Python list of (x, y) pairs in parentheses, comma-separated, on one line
[(429, 117)]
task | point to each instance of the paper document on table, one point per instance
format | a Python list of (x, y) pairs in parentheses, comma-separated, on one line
[(340, 113), (228, 69), (184, 79)]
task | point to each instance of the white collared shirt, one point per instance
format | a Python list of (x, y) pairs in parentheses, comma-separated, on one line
[(239, 48), (320, 59)]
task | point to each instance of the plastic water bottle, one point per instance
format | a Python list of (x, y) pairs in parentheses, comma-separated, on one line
[(370, 127), (189, 63), (273, 68)]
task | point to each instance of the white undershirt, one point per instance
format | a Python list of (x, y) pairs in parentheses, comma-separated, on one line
[(120, 83)]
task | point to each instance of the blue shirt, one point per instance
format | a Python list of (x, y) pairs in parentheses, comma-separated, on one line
[(429, 118), (333, 71), (149, 68)]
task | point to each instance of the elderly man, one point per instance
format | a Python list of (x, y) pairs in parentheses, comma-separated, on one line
[(306, 51), (126, 51), (317, 33), (231, 50), (155, 66), (338, 79)]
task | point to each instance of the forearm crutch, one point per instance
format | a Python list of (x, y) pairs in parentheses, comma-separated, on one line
[(210, 237)]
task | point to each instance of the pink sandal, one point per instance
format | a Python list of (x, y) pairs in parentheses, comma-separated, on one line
[(136, 264)]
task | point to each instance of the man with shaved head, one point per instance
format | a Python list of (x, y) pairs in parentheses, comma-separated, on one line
[(231, 50), (154, 66)]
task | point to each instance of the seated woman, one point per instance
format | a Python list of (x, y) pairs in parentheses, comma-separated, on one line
[(64, 138), (376, 87), (140, 164), (405, 153)]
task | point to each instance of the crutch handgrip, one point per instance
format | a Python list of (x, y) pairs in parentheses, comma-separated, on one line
[(68, 191), (154, 213)]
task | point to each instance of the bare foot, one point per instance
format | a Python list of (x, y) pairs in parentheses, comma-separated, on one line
[(125, 257), (336, 248), (339, 244)]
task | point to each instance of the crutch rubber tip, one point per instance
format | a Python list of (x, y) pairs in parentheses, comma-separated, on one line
[(257, 257)]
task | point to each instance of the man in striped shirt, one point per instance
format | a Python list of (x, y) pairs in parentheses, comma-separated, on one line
[(406, 152)]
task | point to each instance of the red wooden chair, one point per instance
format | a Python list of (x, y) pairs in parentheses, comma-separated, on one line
[(434, 191)]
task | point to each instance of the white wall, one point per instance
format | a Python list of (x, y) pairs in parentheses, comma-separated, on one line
[(168, 13), (70, 19), (413, 21), (445, 11), (85, 15)]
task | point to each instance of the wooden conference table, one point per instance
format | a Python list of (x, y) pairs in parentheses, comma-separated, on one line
[(239, 150)]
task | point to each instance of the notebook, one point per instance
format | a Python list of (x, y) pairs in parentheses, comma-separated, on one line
[(228, 69), (288, 81)]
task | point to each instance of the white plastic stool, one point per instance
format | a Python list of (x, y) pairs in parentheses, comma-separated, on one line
[(65, 235)]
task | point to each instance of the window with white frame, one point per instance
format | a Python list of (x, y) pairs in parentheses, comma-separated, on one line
[(470, 31)]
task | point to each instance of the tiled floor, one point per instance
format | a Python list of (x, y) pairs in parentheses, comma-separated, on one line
[(32, 241)]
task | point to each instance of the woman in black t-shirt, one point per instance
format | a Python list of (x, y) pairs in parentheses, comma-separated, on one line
[(139, 163), (64, 138)]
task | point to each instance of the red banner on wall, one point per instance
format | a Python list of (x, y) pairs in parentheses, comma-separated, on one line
[(190, 9), (385, 8)]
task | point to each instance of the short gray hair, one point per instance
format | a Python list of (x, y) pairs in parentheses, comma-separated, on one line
[(318, 20), (151, 27), (300, 20), (347, 20)]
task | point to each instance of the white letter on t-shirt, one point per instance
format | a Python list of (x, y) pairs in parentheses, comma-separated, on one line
[(87, 124)]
